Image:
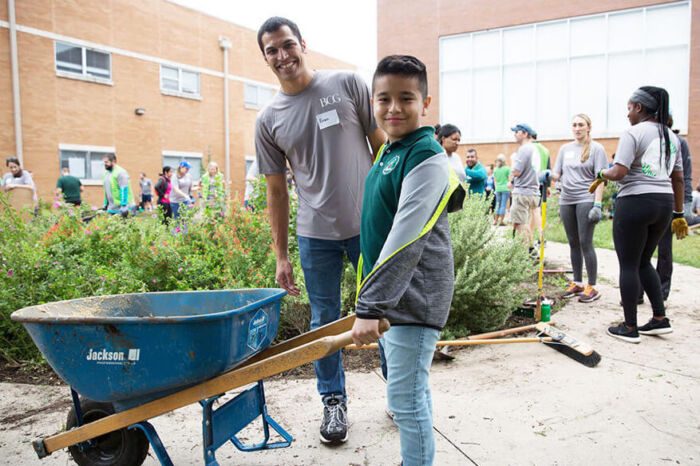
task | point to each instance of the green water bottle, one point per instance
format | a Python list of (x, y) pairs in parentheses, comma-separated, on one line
[(546, 312)]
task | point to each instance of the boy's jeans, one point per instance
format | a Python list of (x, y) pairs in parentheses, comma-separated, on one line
[(409, 352), (322, 262)]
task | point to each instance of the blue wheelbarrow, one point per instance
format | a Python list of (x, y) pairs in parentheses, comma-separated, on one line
[(130, 358)]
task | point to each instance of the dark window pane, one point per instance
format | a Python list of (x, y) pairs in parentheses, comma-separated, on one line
[(97, 63), (69, 58)]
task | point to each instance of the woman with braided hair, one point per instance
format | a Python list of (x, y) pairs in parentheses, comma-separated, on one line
[(649, 170), (576, 167)]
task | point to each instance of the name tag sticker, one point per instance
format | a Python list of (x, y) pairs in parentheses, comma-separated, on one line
[(326, 119)]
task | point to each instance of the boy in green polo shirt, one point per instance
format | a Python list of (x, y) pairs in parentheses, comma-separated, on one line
[(406, 270)]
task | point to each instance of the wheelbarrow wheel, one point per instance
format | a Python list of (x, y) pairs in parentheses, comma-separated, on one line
[(124, 447)]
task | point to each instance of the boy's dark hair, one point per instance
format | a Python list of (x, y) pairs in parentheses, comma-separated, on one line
[(403, 65), (274, 24), (10, 160)]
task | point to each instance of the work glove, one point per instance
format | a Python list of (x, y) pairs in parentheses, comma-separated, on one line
[(679, 226), (124, 211), (599, 179), (595, 214), (545, 176)]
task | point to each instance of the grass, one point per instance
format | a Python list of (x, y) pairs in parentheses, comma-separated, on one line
[(685, 251)]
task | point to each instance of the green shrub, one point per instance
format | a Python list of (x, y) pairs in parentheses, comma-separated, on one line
[(489, 268)]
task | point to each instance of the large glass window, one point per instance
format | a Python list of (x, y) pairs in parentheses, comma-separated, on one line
[(544, 73), (82, 61)]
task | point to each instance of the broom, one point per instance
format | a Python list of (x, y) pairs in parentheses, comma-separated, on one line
[(548, 335)]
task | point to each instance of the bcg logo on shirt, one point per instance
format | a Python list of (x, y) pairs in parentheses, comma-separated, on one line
[(331, 99)]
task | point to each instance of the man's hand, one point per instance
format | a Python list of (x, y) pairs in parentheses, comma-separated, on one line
[(124, 211), (365, 331), (285, 277)]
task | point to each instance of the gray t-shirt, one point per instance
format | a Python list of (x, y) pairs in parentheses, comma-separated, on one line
[(639, 150), (24, 179), (184, 184), (145, 186), (322, 132), (527, 182), (576, 177)]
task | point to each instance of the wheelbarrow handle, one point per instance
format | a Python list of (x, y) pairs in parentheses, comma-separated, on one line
[(294, 357)]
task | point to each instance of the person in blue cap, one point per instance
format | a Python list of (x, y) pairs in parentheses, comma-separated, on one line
[(525, 182)]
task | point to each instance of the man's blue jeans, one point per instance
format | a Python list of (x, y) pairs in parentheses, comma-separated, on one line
[(409, 351), (322, 263)]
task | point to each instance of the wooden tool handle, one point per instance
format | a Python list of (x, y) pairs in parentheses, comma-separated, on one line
[(495, 341)]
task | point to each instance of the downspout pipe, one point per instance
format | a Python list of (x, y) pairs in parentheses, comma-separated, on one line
[(225, 45), (15, 82)]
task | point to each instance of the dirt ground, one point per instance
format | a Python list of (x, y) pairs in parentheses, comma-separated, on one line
[(493, 405)]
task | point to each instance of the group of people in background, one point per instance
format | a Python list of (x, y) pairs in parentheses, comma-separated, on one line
[(652, 167)]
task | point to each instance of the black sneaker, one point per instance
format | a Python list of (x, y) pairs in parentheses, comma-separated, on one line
[(656, 327), (334, 427), (624, 334)]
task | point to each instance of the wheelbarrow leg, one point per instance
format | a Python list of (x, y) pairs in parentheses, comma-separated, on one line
[(154, 440), (222, 424)]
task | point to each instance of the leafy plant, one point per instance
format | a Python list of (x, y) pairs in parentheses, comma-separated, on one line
[(489, 268)]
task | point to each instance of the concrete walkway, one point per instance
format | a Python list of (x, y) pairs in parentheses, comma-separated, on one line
[(494, 405)]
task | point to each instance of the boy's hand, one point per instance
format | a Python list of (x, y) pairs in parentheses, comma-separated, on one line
[(365, 331)]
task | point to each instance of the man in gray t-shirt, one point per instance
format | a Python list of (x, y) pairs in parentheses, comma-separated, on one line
[(525, 184), (319, 124)]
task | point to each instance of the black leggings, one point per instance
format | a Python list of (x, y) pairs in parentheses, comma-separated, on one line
[(639, 223), (579, 232)]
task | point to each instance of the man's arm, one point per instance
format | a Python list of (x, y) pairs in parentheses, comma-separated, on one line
[(477, 174), (376, 139), (278, 206)]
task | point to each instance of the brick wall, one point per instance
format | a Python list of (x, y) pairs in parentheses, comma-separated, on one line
[(59, 110), (417, 29)]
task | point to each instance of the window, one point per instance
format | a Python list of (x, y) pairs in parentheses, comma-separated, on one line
[(83, 63), (179, 82), (257, 97), (84, 162), (173, 159), (544, 73)]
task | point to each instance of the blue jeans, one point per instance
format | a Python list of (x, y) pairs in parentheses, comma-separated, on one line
[(501, 202), (322, 263), (409, 352), (175, 206)]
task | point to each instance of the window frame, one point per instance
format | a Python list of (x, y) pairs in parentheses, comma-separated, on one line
[(463, 66), (196, 157), (83, 75), (180, 92), (87, 151), (257, 104)]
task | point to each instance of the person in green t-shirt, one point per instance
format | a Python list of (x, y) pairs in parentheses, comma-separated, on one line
[(70, 187), (501, 176)]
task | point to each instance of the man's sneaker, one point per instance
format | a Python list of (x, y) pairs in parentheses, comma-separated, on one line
[(656, 327), (623, 333), (589, 295), (572, 290), (334, 427)]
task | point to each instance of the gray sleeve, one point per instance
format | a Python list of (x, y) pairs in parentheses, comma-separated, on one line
[(522, 160), (421, 191), (363, 104), (600, 158), (625, 150), (271, 159), (558, 165), (123, 179)]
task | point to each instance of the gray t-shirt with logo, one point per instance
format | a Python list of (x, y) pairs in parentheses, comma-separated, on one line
[(322, 132), (576, 177), (640, 151), (184, 184), (527, 182)]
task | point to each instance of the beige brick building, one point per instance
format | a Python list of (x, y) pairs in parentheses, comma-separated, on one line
[(141, 78), (494, 64)]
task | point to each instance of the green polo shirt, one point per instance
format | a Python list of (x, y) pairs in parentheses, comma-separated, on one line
[(70, 187), (383, 188)]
